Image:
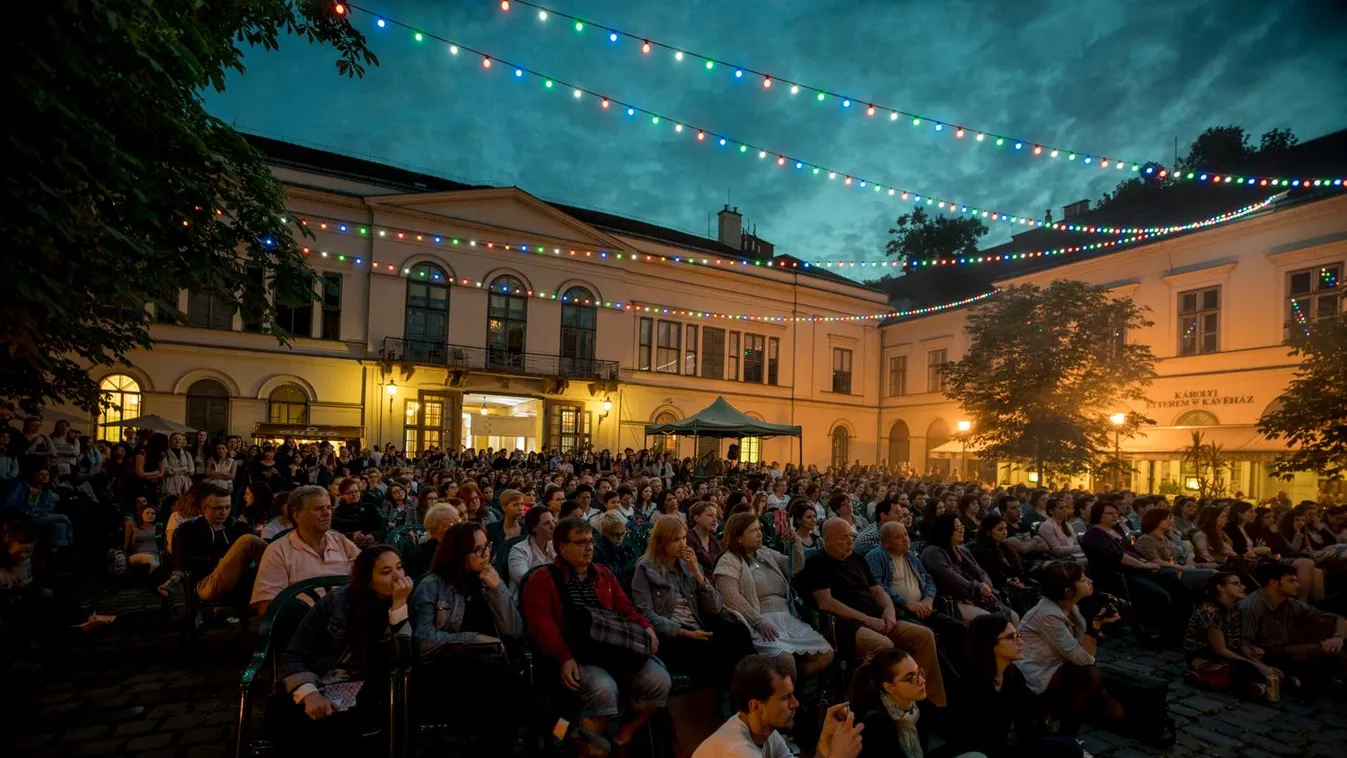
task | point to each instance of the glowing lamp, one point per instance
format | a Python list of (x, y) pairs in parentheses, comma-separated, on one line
[(1118, 419), (964, 426)]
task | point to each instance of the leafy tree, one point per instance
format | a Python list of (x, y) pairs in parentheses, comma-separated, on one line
[(1044, 370), (120, 190), (1209, 464), (1313, 413), (918, 236)]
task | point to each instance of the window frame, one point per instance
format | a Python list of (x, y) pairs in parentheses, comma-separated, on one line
[(935, 375), (1199, 315), (668, 347), (774, 361), (499, 352), (129, 399), (219, 310), (645, 350), (330, 321), (755, 358), (897, 384), (732, 351), (842, 364), (426, 346), (712, 358), (579, 327), (690, 350), (1316, 294), (288, 406)]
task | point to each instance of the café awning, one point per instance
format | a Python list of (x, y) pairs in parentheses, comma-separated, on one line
[(722, 420), (307, 431)]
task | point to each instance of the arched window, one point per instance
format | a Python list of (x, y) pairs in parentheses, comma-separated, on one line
[(841, 446), (506, 322), (208, 408), (1197, 418), (123, 393), (578, 319), (288, 404), (900, 443), (937, 434), (427, 322), (665, 442)]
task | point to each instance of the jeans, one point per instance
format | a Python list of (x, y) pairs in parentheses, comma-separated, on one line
[(242, 557), (600, 696), (55, 527)]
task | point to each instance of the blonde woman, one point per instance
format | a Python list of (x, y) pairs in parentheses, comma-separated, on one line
[(695, 638), (755, 583)]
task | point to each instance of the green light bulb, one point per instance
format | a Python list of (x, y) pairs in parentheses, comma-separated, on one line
[(548, 84), (1000, 142), (820, 97), (654, 119), (579, 27), (710, 65), (419, 37)]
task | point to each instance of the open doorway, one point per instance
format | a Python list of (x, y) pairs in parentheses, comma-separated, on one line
[(508, 422)]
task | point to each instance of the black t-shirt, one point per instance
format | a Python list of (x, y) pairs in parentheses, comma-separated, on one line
[(477, 615), (849, 579)]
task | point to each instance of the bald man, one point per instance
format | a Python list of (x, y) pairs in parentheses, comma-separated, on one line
[(842, 584)]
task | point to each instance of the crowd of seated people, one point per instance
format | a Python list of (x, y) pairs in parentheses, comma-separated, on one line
[(623, 572)]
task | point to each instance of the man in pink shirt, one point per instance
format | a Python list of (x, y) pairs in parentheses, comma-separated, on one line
[(311, 550)]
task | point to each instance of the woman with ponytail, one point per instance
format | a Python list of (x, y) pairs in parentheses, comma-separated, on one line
[(884, 694)]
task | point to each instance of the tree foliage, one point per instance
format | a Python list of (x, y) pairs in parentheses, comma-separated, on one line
[(918, 235), (121, 190), (1043, 372), (1313, 413)]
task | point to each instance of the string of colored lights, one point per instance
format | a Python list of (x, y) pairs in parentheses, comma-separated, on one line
[(1203, 177), (773, 82), (429, 240), (701, 134)]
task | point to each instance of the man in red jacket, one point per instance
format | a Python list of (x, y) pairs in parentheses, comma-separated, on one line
[(646, 684)]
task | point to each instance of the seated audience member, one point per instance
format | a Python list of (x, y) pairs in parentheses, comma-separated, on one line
[(1059, 646), (702, 520), (600, 673), (358, 517), (538, 549), (1214, 644), (993, 553), (338, 662), (609, 547), (1185, 516), (512, 505), (755, 583), (804, 520), (1020, 533), (1296, 637), (762, 691), (956, 572), (840, 583), (910, 586), (885, 691), (462, 614), (139, 541), (1211, 545), (1161, 600), (437, 520), (259, 502), (839, 506), (311, 550), (32, 498), (886, 510), (687, 612), (217, 550), (996, 698), (280, 520), (1059, 534), (184, 509), (1239, 528), (31, 616), (1156, 545)]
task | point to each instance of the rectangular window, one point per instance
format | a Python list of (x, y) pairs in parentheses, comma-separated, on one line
[(690, 351), (1199, 321), (331, 306), (295, 318), (568, 427), (841, 371), (643, 353), (750, 449), (1313, 293), (897, 375), (713, 353), (253, 291), (733, 374), (773, 360), (755, 354), (935, 374), (668, 347), (210, 310)]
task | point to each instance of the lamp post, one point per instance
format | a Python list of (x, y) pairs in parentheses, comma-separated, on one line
[(392, 391), (1118, 419), (963, 427)]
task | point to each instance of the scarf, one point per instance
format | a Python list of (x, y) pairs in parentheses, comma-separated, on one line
[(906, 722)]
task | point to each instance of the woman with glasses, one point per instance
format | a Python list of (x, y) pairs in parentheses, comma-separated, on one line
[(1214, 645), (356, 517), (609, 549), (996, 697), (884, 695)]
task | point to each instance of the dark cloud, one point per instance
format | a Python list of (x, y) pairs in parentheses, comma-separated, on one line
[(1121, 79)]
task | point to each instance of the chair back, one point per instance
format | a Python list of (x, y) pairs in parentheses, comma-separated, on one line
[(404, 539), (284, 616)]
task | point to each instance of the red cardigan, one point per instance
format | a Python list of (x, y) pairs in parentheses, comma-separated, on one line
[(543, 613)]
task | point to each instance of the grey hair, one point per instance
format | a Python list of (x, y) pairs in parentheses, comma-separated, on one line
[(609, 521), (295, 503)]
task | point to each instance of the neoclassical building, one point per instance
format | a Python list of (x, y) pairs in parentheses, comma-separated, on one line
[(454, 315)]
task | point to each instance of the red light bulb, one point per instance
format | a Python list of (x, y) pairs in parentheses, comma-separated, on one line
[(340, 9)]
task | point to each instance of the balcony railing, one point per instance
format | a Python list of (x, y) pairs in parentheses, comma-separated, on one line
[(496, 359)]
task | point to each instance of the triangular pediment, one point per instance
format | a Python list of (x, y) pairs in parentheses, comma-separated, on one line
[(504, 209)]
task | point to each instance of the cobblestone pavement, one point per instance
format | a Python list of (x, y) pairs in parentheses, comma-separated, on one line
[(134, 689)]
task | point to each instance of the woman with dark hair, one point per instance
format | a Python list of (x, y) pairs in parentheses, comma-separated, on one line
[(1218, 654), (1059, 647), (258, 502), (1285, 544), (1239, 528), (1157, 593), (956, 572), (967, 509), (884, 694), (804, 520), (149, 466), (996, 697), (1185, 516), (1210, 542), (1156, 544), (996, 558), (353, 637), (462, 618)]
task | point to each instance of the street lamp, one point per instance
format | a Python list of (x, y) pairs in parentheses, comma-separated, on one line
[(1117, 419), (392, 392), (963, 427)]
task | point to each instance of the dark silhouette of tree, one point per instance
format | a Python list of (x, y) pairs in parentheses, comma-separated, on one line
[(1313, 413), (918, 236)]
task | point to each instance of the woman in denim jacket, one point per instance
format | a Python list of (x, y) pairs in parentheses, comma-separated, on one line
[(462, 616), (669, 587), (336, 666)]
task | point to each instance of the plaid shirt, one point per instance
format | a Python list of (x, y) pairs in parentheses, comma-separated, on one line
[(544, 613)]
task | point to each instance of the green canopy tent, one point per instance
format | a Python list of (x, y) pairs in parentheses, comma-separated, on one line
[(721, 421)]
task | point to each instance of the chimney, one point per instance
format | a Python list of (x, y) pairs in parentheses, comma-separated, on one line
[(731, 227), (1047, 216), (1076, 209)]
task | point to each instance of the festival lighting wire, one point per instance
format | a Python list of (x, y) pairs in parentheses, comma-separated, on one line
[(771, 82)]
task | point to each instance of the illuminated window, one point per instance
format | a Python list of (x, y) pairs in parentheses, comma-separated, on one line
[(123, 393), (288, 405), (1314, 293), (1199, 321)]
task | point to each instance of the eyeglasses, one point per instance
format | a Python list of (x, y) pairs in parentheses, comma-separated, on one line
[(482, 550), (914, 677), (582, 544), (1012, 637)]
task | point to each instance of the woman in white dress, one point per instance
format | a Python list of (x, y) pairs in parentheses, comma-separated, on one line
[(754, 582)]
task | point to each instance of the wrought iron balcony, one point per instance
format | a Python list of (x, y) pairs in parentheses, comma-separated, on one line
[(497, 359)]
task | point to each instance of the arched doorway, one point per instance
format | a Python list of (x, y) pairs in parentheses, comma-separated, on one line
[(900, 443), (208, 408), (937, 434), (841, 444)]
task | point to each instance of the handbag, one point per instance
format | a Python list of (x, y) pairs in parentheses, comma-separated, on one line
[(1210, 674), (601, 625), (116, 562)]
